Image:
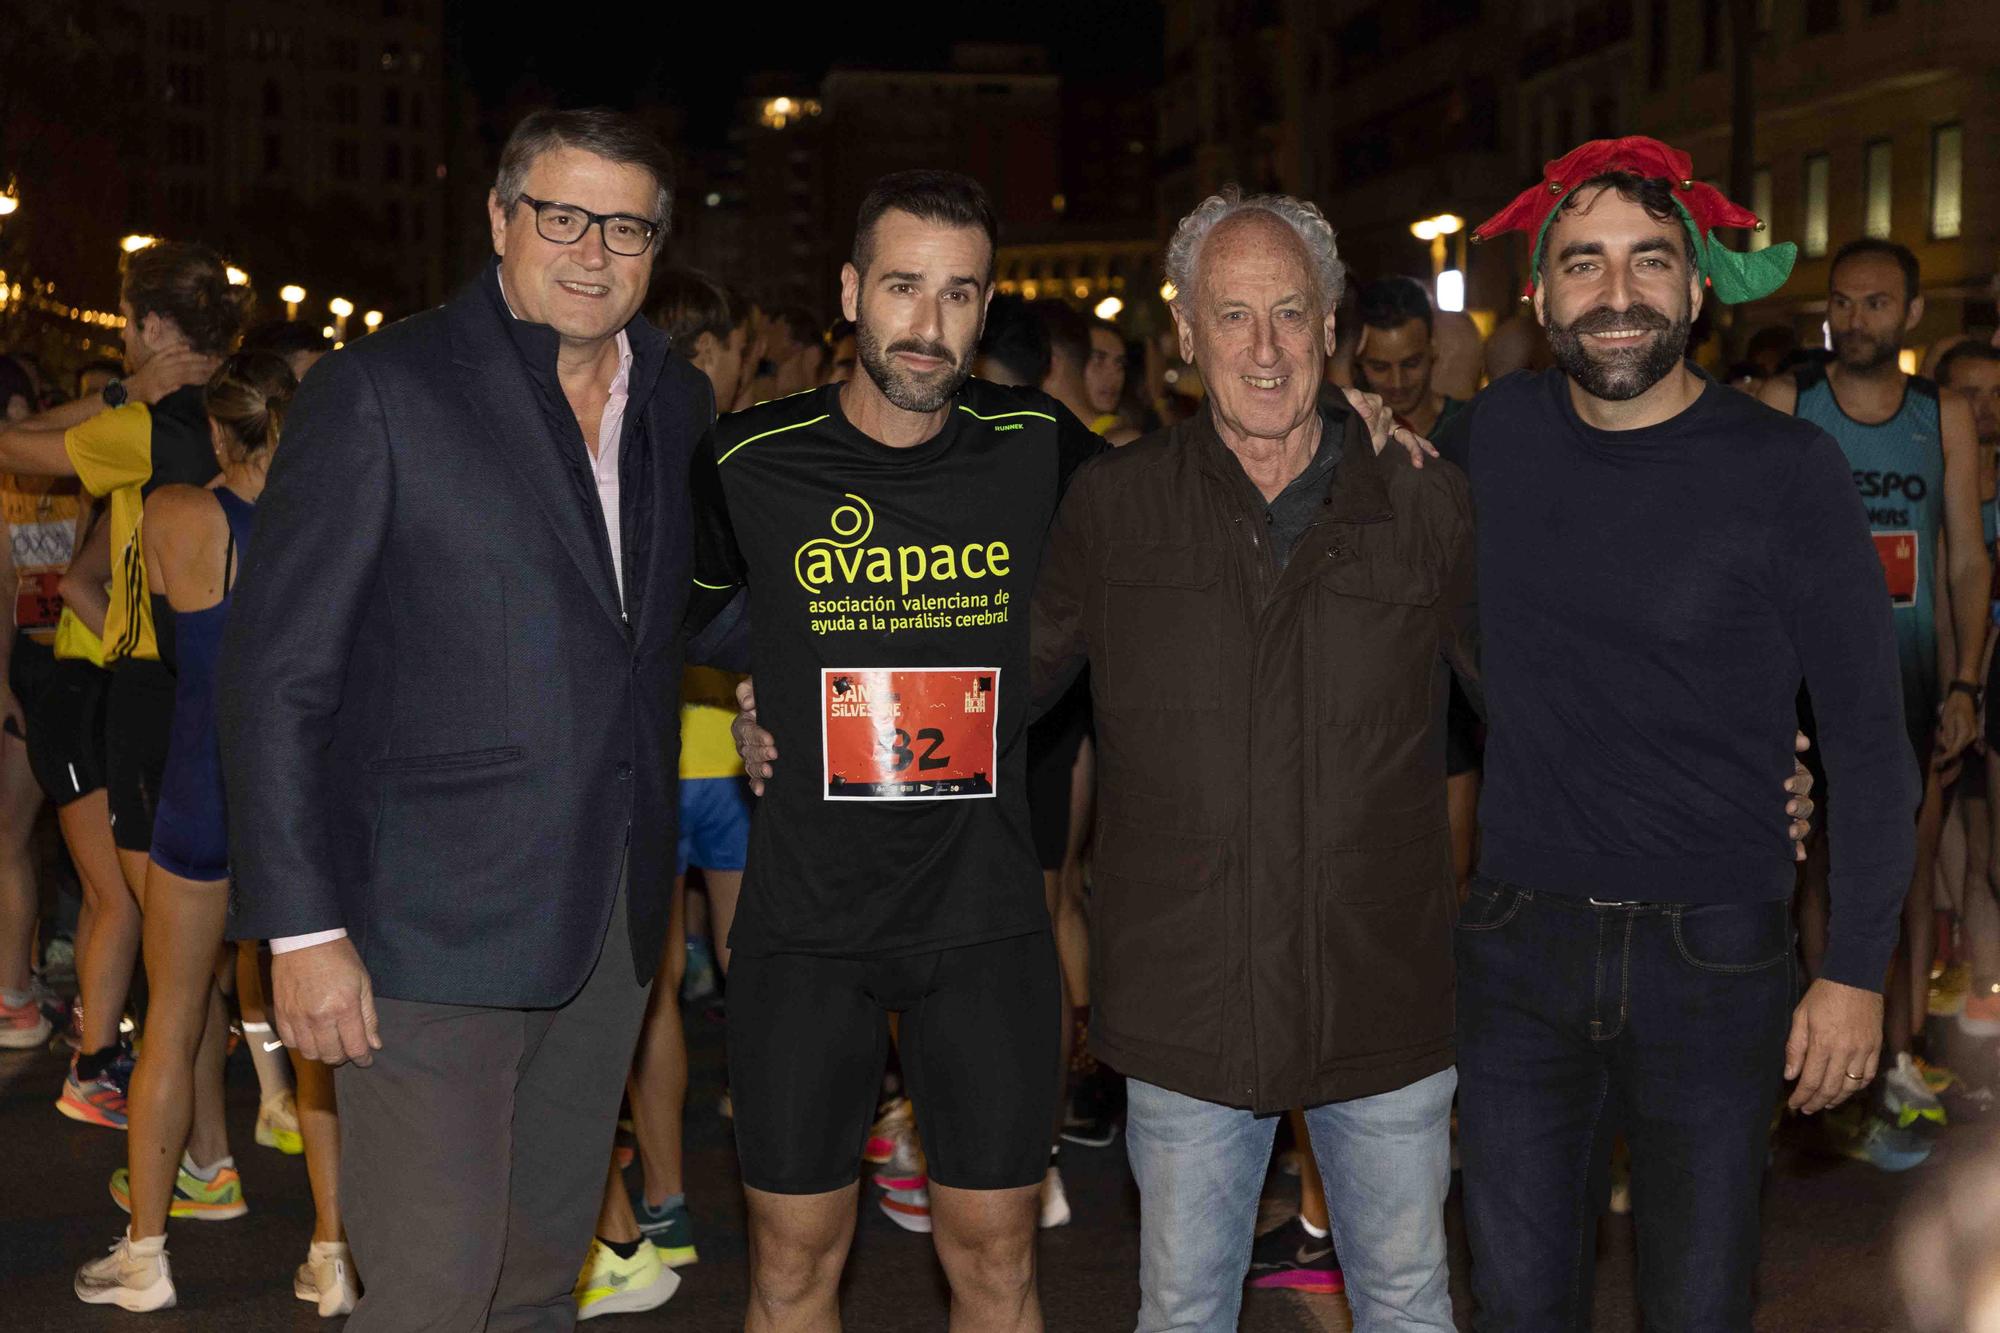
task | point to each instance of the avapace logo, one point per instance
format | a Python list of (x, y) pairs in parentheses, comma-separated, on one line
[(845, 557)]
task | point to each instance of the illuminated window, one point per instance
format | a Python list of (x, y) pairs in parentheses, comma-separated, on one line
[(1815, 210), (1947, 170), (1879, 193)]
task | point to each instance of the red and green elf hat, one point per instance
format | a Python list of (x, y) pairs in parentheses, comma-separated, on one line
[(1731, 275)]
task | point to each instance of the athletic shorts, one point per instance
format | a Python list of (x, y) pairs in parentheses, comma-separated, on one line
[(1462, 749), (66, 733), (715, 823), (980, 1042), (139, 725)]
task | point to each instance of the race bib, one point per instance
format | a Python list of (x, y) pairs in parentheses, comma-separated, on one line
[(1898, 551), (37, 601), (912, 733)]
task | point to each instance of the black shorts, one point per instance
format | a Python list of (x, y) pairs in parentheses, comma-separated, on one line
[(66, 725), (980, 1043), (138, 724)]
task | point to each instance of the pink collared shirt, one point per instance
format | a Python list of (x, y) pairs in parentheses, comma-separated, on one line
[(604, 467)]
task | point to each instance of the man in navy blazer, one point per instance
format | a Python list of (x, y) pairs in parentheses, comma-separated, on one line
[(451, 686)]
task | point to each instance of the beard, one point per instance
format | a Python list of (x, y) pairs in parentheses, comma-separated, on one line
[(904, 388), (1863, 352), (1622, 373)]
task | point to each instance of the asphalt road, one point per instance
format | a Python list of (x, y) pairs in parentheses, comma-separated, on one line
[(1826, 1261)]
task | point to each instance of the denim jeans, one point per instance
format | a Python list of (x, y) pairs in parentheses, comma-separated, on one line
[(1200, 1167), (1578, 1021)]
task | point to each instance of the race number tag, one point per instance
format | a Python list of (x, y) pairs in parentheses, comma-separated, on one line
[(915, 733), (1898, 551), (38, 600)]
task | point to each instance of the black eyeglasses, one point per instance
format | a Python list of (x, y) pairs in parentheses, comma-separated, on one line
[(564, 224)]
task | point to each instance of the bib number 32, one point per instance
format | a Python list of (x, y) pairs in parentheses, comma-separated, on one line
[(916, 733)]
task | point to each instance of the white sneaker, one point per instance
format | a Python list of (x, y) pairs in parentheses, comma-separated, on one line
[(1055, 1202), (326, 1278), (278, 1124), (134, 1276), (610, 1285), (1906, 1097)]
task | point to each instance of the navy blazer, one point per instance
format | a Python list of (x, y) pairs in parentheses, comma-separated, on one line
[(440, 729)]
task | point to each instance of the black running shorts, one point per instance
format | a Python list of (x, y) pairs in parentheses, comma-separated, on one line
[(980, 1042), (66, 735), (139, 724)]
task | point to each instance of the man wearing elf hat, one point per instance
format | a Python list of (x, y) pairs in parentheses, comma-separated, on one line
[(1661, 562)]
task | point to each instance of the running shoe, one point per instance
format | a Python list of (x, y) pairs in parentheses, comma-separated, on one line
[(906, 1168), (326, 1279), (215, 1200), (1948, 988), (1906, 1097), (896, 1123), (23, 1026), (1879, 1143), (1981, 1016), (670, 1229), (96, 1101), (908, 1209), (278, 1124), (611, 1285), (134, 1276), (1055, 1201), (1292, 1258)]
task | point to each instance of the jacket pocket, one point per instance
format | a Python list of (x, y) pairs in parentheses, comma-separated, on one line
[(420, 763), (1160, 947), (1385, 958), (1377, 654), (1161, 645)]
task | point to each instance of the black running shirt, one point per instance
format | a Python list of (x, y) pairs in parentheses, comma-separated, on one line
[(889, 596)]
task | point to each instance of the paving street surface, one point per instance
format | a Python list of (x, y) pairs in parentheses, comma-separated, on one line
[(1826, 1266)]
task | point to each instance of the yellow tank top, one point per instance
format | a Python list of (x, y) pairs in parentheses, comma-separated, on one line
[(708, 706)]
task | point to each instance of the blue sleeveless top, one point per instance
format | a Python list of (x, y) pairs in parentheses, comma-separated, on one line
[(191, 822), (1898, 467)]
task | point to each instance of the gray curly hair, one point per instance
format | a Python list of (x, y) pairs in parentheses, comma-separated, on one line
[(1315, 233)]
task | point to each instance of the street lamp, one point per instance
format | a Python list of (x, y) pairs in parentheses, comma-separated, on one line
[(237, 277), (341, 308), (1168, 292), (9, 202), (291, 294), (1435, 230), (1108, 308), (135, 243), (373, 319)]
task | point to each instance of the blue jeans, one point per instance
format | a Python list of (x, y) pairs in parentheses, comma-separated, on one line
[(1387, 1165), (1577, 1021)]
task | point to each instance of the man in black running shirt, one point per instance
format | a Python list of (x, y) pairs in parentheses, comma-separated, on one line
[(889, 531)]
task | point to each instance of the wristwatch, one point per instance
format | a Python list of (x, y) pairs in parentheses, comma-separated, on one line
[(114, 394), (1978, 692)]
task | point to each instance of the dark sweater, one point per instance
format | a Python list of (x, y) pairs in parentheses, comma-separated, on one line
[(1650, 600)]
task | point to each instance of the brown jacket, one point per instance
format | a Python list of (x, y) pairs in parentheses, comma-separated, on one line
[(1273, 897)]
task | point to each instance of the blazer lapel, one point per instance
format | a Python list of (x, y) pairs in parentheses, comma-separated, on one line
[(504, 402)]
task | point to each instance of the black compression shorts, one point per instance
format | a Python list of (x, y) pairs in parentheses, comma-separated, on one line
[(66, 734), (980, 1042), (139, 724)]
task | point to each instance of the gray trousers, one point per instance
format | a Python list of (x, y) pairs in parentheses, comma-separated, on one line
[(473, 1153)]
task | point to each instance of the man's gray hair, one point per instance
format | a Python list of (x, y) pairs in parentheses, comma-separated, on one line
[(1315, 233), (612, 135)]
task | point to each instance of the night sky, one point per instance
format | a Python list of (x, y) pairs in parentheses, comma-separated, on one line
[(650, 57)]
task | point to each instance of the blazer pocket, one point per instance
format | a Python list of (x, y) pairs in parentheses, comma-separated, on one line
[(1159, 947), (1162, 647), (418, 763)]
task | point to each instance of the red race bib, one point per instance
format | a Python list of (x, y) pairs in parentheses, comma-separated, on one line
[(1899, 562), (38, 602), (914, 733)]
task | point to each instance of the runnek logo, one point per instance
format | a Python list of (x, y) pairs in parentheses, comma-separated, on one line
[(844, 556)]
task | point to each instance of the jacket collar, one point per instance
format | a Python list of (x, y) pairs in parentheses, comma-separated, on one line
[(538, 344), (1355, 492)]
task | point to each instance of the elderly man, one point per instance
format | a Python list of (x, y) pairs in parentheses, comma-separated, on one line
[(452, 675), (1270, 612)]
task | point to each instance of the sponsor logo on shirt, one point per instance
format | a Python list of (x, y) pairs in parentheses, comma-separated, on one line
[(846, 558)]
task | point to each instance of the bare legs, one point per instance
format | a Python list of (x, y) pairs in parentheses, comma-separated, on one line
[(20, 799), (107, 935)]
